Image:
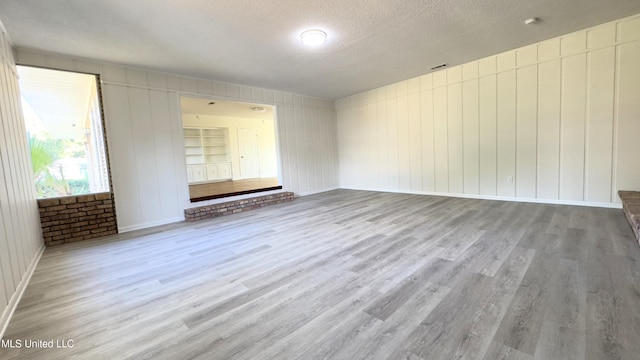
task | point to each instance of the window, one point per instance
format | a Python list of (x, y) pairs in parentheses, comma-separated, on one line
[(64, 124)]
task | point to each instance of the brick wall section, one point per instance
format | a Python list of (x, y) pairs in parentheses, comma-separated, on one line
[(75, 218), (232, 207), (631, 208)]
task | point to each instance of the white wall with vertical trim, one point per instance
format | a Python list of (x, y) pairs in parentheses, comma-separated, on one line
[(561, 117), (144, 134), (20, 236)]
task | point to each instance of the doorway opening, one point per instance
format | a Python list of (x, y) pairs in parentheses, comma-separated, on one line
[(229, 147)]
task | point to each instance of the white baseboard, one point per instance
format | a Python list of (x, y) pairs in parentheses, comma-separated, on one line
[(150, 224), (499, 198), (17, 295), (318, 191)]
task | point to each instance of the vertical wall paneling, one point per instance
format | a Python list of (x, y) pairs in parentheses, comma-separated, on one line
[(440, 136), (548, 129), (20, 236), (427, 141), (332, 138), (323, 127), (455, 136), (549, 50), (559, 118), (572, 126), (302, 144), (317, 155), (11, 175), (404, 155), (627, 146), (124, 168), (415, 148), (600, 105), (383, 147), (291, 163), (164, 148), (12, 262), (306, 123), (143, 136), (20, 162), (316, 169), (392, 141), (527, 99), (180, 183), (331, 149), (488, 135), (364, 119), (506, 129), (628, 29), (471, 136), (13, 131)]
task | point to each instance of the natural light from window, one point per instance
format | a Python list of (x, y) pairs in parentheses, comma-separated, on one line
[(64, 128)]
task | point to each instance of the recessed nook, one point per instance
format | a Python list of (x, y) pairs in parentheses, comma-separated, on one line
[(230, 148)]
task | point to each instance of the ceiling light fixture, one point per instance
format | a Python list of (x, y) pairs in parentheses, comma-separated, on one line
[(258, 109), (531, 21), (313, 37)]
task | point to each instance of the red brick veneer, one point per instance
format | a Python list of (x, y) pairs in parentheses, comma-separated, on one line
[(631, 207), (232, 207), (75, 218)]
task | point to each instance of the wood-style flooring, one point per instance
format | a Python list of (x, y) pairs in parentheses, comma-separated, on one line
[(347, 275), (220, 189)]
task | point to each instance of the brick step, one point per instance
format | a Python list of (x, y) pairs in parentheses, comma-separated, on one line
[(232, 207), (631, 207)]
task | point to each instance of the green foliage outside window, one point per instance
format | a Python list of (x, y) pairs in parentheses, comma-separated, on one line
[(49, 178)]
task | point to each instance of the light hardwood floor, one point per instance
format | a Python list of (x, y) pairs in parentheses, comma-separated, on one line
[(347, 275), (214, 190)]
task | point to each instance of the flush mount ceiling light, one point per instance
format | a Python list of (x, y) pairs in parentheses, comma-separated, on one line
[(531, 21), (258, 109), (313, 37)]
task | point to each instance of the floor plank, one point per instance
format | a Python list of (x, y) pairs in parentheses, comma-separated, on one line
[(346, 275)]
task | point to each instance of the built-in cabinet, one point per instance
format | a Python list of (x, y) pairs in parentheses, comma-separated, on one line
[(207, 153)]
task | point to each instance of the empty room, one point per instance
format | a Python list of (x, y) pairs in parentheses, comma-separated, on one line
[(320, 180)]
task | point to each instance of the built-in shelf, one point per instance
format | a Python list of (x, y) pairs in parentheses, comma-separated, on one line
[(207, 154)]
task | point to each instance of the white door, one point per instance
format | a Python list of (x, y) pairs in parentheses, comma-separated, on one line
[(248, 151)]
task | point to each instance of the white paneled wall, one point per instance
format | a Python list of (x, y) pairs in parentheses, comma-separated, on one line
[(144, 132), (561, 118), (20, 237)]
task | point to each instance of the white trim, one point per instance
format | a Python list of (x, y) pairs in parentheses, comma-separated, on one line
[(499, 198), (321, 191), (150, 224), (17, 295)]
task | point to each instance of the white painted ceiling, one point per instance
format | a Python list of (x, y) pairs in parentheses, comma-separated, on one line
[(371, 42), (201, 106)]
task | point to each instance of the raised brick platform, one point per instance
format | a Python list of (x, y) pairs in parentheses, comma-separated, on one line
[(75, 218), (232, 207), (631, 207)]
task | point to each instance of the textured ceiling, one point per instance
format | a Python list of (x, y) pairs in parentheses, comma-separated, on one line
[(371, 42), (200, 106)]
